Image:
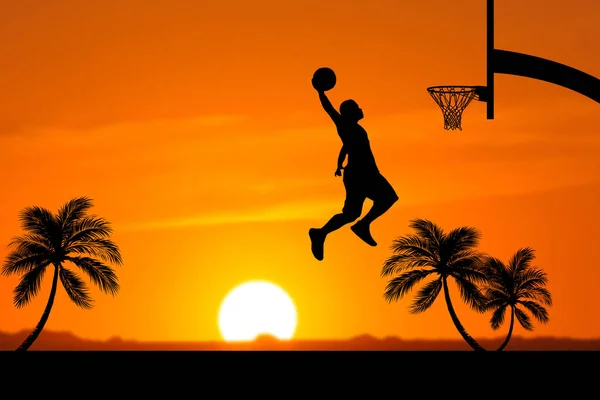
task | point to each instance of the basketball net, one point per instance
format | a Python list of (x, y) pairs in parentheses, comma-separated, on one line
[(452, 100)]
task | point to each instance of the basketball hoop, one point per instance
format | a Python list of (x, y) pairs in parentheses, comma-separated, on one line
[(453, 100)]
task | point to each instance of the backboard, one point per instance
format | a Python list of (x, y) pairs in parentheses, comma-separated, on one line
[(489, 97), (453, 99)]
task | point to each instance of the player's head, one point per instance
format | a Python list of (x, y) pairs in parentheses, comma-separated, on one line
[(350, 110)]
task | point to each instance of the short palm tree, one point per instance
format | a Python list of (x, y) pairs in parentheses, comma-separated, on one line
[(519, 287), (432, 252), (53, 240)]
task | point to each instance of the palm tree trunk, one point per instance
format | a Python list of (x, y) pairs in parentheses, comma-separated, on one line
[(38, 329), (510, 329), (472, 342)]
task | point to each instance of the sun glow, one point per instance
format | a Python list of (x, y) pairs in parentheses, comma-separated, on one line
[(254, 308)]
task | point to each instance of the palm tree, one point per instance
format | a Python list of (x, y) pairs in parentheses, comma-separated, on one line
[(518, 284), (69, 236), (433, 252)]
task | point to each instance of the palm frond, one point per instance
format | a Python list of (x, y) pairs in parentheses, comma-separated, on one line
[(101, 275), (462, 239), (493, 294), (537, 293), (22, 262), (104, 249), (72, 211), (493, 303), (413, 245), (523, 319), (75, 288), (470, 293), (429, 231), (494, 267), (467, 257), (400, 285), (29, 286), (538, 311), (499, 287), (499, 276), (400, 262), (497, 318), (87, 228), (521, 260), (426, 296), (469, 269), (32, 243), (40, 221), (531, 278)]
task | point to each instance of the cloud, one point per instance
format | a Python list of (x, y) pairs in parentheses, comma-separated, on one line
[(291, 211), (133, 127)]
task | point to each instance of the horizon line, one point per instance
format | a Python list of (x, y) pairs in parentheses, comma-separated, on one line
[(270, 337)]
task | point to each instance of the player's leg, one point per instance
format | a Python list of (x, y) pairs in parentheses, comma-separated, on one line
[(350, 212), (383, 196)]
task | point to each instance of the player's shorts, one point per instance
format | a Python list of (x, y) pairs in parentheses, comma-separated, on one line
[(361, 186)]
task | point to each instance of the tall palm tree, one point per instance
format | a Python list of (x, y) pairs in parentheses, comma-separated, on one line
[(432, 252), (69, 236), (514, 286)]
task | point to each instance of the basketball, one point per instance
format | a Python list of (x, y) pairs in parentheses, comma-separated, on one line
[(324, 79)]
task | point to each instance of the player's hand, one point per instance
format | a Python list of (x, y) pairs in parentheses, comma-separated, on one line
[(338, 172)]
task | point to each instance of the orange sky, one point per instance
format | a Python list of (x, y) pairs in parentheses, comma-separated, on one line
[(194, 128)]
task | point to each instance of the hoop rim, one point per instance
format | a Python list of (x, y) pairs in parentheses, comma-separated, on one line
[(448, 88)]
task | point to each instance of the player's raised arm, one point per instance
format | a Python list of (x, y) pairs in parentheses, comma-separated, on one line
[(328, 107)]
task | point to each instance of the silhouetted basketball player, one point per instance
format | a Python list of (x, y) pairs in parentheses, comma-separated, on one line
[(361, 177)]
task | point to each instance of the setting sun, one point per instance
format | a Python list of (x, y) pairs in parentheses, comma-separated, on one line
[(254, 308)]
